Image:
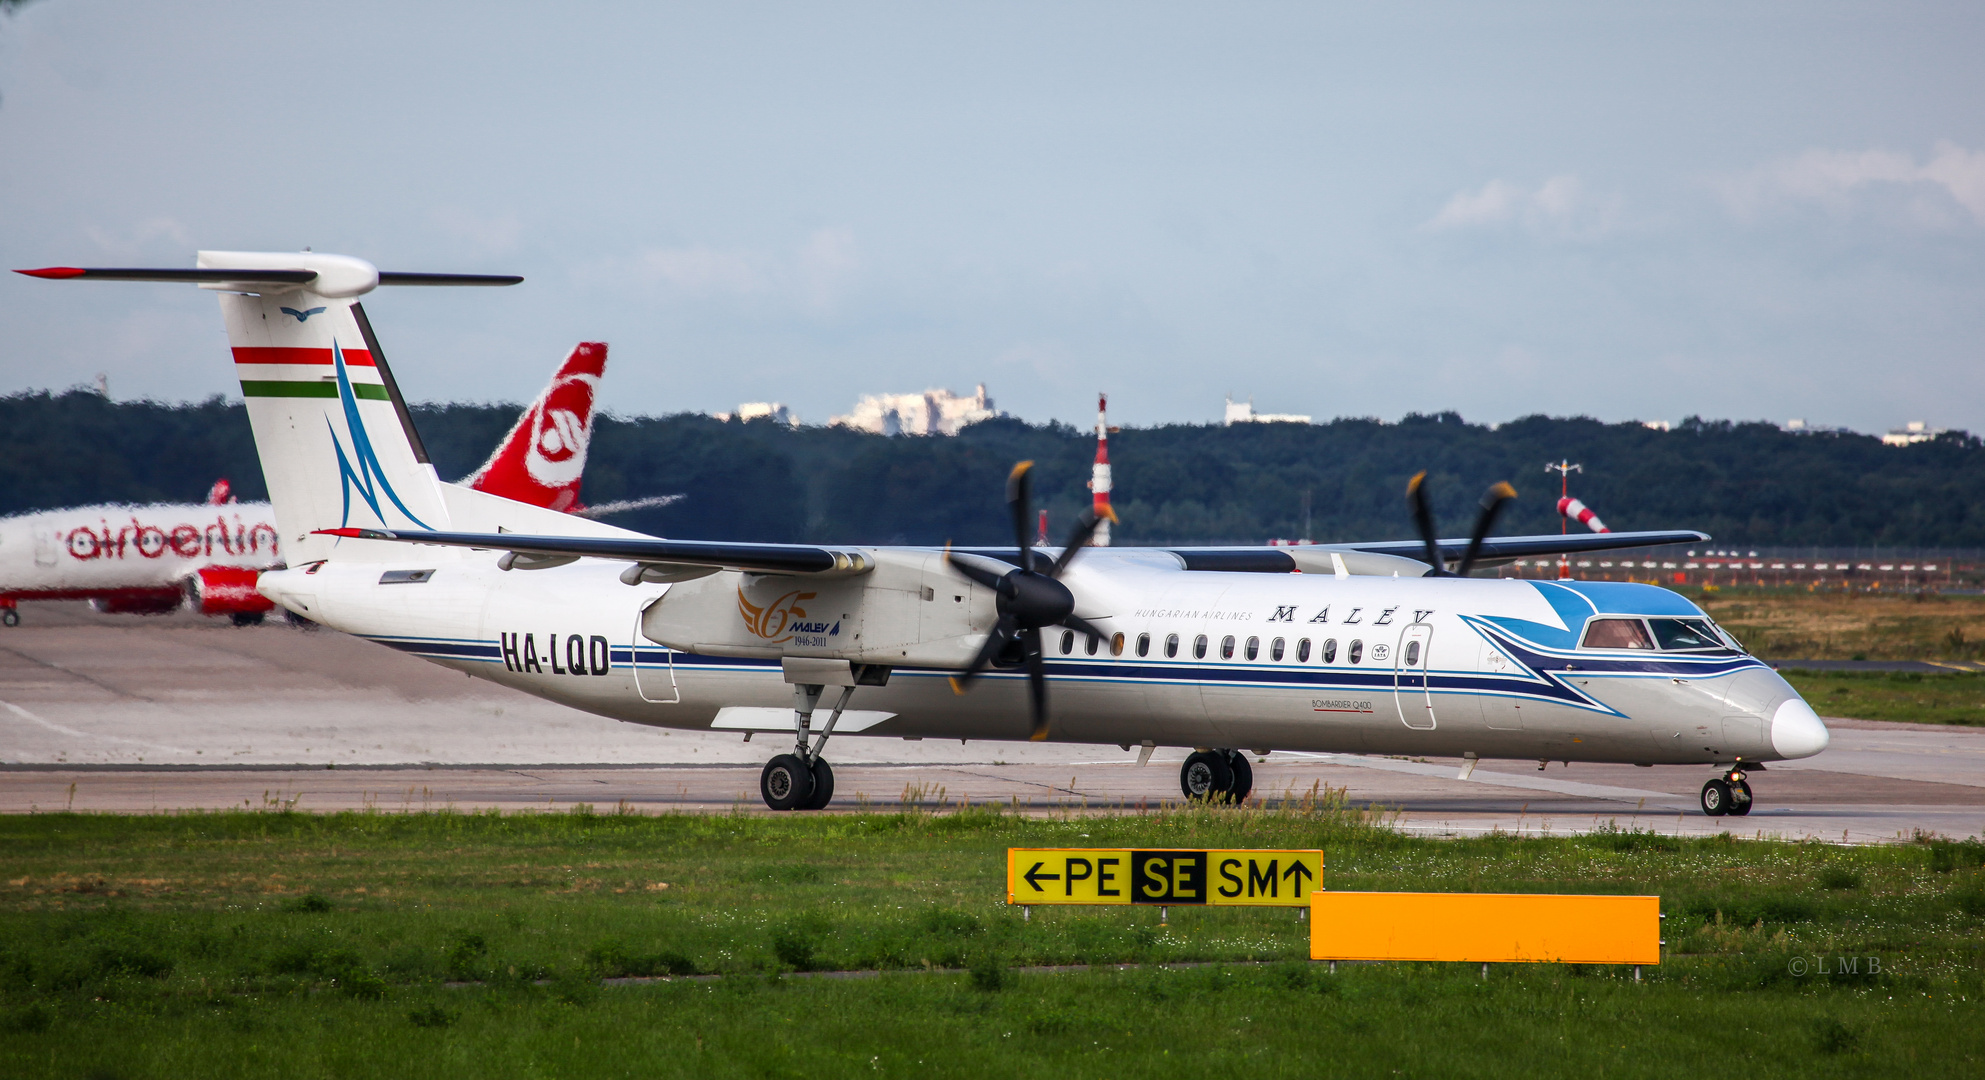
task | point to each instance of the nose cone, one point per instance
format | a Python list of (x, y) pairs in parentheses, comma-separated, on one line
[(1796, 730)]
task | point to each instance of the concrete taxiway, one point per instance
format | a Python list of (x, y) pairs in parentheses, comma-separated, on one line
[(126, 714)]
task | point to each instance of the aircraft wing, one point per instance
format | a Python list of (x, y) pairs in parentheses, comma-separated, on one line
[(753, 558), (1521, 547)]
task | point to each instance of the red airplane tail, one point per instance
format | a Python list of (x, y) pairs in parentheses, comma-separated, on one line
[(543, 459)]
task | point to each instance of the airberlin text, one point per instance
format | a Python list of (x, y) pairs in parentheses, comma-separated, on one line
[(569, 654)]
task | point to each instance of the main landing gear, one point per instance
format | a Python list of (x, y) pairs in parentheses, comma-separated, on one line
[(1216, 776), (1727, 794), (802, 780)]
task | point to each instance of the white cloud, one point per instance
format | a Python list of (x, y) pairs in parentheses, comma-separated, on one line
[(1838, 179), (139, 240), (812, 277), (704, 271), (1559, 207), (493, 234), (824, 266)]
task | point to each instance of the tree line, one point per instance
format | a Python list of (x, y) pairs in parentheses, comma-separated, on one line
[(1745, 483)]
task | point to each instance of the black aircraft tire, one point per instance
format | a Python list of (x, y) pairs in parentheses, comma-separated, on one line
[(823, 786), (786, 783), (1205, 775), (1243, 781), (1740, 798), (10, 617), (1716, 798)]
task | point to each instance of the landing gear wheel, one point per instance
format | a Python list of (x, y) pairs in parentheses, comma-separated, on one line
[(246, 618), (9, 617), (823, 786), (1740, 798), (1716, 798), (786, 783), (1206, 775), (1243, 781)]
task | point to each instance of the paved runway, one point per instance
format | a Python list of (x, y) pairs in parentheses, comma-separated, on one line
[(131, 714)]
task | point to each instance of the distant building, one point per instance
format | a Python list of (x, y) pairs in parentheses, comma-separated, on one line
[(1802, 427), (1664, 425), (1915, 431), (933, 412), (1243, 413), (774, 411)]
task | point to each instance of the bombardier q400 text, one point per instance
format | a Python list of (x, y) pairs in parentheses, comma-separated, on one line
[(1353, 648)]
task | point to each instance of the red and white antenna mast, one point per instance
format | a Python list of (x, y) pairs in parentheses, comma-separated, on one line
[(1564, 469), (1099, 475)]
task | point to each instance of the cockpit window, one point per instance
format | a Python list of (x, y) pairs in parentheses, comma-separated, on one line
[(1685, 634), (1617, 634)]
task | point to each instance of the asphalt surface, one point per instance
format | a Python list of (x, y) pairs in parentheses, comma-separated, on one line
[(127, 714)]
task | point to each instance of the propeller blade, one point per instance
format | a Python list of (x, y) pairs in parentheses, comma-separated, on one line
[(1083, 626), (987, 572), (1492, 504), (1079, 537), (1018, 490), (1037, 684), (1423, 518), (1002, 632)]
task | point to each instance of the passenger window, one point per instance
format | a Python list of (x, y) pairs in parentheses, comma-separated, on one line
[(1227, 647), (1355, 653), (1254, 647), (1412, 654), (1679, 634), (1303, 651), (1617, 634), (1067, 642), (1330, 650), (1199, 647), (1090, 642), (1171, 645), (1275, 650)]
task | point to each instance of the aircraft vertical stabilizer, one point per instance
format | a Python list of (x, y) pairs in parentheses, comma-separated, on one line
[(335, 449), (543, 458)]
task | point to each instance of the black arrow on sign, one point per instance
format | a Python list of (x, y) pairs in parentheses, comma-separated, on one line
[(1297, 871), (1034, 877)]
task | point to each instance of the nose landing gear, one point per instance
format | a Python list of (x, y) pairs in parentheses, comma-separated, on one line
[(802, 780), (1727, 794), (1216, 776)]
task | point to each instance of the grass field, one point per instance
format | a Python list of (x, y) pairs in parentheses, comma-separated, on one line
[(439, 945), (1780, 624), (1913, 696)]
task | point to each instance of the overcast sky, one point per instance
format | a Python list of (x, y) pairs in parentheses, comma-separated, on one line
[(1733, 210)]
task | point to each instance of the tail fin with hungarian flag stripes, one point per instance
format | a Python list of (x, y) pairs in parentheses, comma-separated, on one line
[(338, 447)]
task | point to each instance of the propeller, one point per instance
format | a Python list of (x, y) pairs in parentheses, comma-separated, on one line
[(1423, 517), (1029, 597)]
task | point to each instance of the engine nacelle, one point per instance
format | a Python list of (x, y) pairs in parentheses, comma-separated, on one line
[(227, 590), (910, 610)]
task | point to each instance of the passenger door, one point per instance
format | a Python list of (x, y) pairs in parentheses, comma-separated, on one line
[(1409, 677)]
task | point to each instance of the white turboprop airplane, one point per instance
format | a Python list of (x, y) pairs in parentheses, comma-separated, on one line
[(150, 559), (1352, 648)]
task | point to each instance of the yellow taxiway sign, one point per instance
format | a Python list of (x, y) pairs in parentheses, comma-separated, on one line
[(1161, 876)]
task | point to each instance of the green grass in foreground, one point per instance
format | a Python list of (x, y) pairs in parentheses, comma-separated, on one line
[(1915, 696), (294, 946)]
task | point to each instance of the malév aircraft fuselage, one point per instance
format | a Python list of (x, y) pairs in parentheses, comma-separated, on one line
[(1303, 661)]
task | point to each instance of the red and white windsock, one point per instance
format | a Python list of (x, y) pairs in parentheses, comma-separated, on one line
[(1581, 513), (1099, 474)]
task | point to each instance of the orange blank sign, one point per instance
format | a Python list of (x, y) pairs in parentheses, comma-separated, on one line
[(1485, 927)]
